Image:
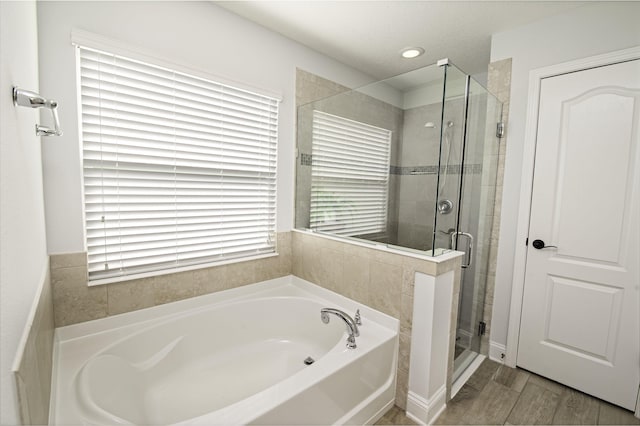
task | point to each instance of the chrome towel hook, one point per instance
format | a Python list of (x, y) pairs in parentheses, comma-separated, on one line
[(31, 99)]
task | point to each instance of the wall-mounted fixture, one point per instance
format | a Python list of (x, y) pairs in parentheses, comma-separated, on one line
[(31, 99)]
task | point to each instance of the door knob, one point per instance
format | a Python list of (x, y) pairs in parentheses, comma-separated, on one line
[(539, 244)]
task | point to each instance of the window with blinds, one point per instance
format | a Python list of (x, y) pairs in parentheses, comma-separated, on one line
[(349, 176), (178, 170)]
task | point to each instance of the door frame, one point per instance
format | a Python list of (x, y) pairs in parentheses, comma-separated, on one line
[(526, 187)]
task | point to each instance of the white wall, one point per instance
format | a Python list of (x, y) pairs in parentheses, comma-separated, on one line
[(199, 35), (23, 255), (583, 32)]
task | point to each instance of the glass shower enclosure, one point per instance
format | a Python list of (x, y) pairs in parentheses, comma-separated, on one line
[(409, 162)]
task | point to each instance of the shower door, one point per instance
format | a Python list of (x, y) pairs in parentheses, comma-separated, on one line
[(468, 165), (477, 198)]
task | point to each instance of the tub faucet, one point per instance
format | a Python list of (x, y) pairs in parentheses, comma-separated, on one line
[(352, 328)]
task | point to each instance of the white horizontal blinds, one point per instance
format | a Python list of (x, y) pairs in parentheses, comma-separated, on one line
[(349, 176), (178, 170)]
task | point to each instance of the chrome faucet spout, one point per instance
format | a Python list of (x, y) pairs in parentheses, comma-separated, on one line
[(352, 328)]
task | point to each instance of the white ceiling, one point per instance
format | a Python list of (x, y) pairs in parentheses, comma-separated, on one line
[(368, 35)]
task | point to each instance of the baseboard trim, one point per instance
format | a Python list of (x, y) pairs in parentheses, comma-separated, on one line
[(426, 411), (497, 352), (380, 413)]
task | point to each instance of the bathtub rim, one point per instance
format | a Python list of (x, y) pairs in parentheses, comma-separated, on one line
[(138, 317), (147, 316)]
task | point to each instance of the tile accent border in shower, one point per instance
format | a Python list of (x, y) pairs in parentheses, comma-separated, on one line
[(307, 160), (453, 169)]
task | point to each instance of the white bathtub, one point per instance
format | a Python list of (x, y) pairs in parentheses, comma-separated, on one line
[(234, 357)]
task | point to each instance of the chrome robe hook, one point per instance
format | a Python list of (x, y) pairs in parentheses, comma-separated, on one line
[(31, 99)]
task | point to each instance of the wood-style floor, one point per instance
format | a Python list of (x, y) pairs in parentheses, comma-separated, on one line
[(498, 395)]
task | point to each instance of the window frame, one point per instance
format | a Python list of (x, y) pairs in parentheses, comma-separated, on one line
[(154, 62)]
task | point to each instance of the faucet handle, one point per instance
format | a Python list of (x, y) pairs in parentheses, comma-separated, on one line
[(357, 318)]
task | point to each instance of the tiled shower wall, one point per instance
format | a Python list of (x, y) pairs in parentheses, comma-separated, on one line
[(417, 177), (379, 279), (76, 302)]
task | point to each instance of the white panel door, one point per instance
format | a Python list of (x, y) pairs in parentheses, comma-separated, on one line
[(580, 316)]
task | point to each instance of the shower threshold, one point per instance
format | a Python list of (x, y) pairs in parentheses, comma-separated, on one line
[(467, 364)]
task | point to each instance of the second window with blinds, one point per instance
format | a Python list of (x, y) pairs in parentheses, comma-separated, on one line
[(178, 170), (349, 176)]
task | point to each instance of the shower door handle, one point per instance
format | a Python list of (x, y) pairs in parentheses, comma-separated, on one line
[(468, 251)]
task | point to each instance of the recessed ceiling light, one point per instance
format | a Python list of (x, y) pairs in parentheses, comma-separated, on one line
[(411, 52)]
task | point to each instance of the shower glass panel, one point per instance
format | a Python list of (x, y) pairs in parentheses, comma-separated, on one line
[(452, 139), (416, 171), (344, 143), (477, 179)]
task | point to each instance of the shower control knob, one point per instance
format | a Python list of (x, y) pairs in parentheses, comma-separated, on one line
[(538, 244)]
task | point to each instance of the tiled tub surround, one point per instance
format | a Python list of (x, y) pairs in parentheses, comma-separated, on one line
[(76, 302), (167, 364), (33, 365), (379, 278)]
